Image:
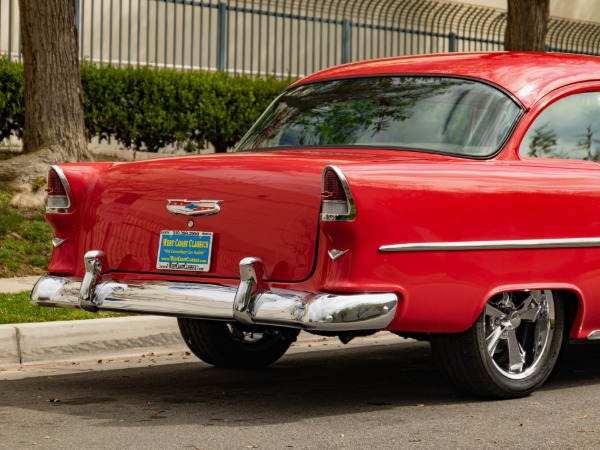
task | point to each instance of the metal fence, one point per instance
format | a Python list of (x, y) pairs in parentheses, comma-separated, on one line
[(285, 37)]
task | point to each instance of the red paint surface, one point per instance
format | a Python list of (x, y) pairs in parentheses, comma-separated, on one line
[(271, 205)]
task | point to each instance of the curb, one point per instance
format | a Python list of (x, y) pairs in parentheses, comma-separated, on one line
[(77, 340), (94, 339), (80, 340)]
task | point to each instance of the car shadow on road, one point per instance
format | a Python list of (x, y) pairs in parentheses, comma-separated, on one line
[(578, 365), (332, 382)]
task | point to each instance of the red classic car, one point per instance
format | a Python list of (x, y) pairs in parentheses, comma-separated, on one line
[(452, 198)]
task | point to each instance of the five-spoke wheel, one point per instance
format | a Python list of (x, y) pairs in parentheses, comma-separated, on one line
[(510, 350), (518, 331)]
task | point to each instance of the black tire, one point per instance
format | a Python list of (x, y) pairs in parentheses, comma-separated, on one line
[(524, 331), (233, 346)]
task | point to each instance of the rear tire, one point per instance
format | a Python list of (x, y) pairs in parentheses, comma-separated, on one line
[(234, 346), (510, 350)]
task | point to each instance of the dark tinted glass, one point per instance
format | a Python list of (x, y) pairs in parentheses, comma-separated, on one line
[(568, 129), (439, 114)]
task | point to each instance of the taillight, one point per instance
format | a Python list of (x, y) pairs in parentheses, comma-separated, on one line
[(59, 198), (338, 203)]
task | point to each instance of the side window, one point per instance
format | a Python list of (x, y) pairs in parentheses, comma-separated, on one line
[(568, 128)]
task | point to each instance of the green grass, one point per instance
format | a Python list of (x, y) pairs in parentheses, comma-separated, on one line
[(25, 240), (15, 308)]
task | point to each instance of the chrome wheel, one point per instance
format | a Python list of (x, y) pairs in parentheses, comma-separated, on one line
[(518, 328), (511, 348)]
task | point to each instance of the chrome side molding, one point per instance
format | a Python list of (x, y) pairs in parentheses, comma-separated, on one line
[(250, 302), (493, 245)]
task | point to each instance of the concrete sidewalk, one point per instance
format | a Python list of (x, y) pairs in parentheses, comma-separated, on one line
[(17, 284), (76, 340)]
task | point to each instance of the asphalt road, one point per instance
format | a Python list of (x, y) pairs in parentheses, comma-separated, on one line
[(382, 393)]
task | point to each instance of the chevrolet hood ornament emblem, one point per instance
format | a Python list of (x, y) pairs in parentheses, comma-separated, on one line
[(194, 207)]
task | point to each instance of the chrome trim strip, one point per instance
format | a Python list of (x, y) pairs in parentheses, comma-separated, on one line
[(67, 186), (493, 245), (252, 302), (349, 197)]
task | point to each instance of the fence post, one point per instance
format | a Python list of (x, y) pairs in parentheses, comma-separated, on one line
[(78, 27), (221, 35), (77, 7), (346, 41), (452, 42), (10, 29)]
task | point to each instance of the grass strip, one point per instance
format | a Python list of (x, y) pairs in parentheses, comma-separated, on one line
[(25, 240), (15, 308)]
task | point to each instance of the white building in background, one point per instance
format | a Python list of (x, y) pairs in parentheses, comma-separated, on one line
[(294, 37), (566, 9)]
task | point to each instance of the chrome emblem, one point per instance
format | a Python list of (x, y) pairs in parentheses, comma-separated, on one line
[(194, 207)]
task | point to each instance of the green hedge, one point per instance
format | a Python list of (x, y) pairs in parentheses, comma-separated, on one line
[(149, 109), (12, 117)]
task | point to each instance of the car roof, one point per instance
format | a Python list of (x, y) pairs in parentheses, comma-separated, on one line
[(528, 76)]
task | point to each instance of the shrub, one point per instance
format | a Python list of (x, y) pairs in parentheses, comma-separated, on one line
[(12, 114), (232, 105), (145, 108)]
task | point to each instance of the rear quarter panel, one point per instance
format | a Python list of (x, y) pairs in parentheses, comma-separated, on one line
[(445, 291)]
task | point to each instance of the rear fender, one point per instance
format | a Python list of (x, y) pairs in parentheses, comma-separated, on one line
[(67, 257)]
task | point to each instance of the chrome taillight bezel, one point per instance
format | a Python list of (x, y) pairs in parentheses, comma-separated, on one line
[(349, 212), (61, 206)]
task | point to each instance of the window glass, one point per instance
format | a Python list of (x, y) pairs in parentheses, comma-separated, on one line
[(439, 114), (568, 128)]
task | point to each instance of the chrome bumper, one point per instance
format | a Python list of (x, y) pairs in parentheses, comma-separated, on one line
[(251, 303)]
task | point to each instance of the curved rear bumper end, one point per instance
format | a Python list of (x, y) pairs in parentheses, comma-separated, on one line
[(252, 302)]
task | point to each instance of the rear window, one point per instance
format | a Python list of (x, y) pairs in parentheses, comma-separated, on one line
[(435, 114)]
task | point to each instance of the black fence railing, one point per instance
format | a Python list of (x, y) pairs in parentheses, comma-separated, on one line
[(285, 37)]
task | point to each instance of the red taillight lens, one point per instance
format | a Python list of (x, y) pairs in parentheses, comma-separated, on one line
[(332, 187), (338, 203), (55, 187), (58, 192)]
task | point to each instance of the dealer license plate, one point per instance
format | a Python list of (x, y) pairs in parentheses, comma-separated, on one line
[(184, 250)]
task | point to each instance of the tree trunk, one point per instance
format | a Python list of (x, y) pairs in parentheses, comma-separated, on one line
[(53, 102), (527, 25), (54, 124)]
